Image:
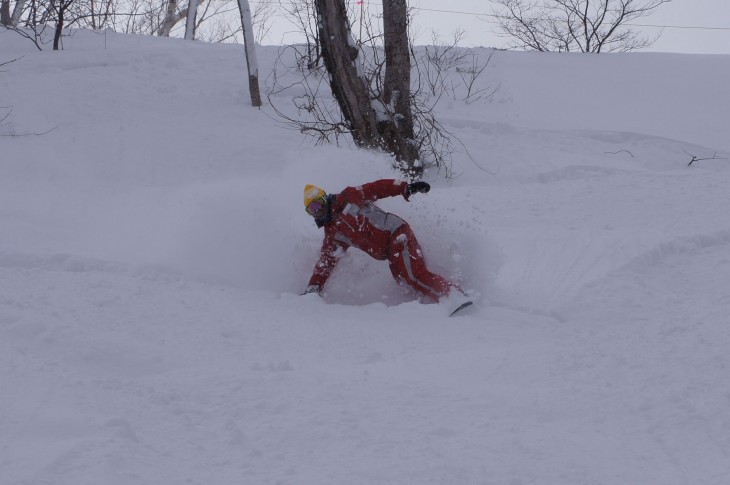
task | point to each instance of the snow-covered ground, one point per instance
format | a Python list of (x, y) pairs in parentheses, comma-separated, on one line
[(153, 247)]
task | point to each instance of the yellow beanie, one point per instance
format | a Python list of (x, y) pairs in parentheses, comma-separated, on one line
[(312, 192)]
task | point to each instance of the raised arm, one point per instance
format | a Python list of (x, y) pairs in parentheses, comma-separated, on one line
[(370, 192), (380, 189)]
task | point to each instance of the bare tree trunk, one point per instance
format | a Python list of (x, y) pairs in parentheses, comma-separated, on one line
[(17, 12), (398, 131), (172, 17), (92, 13), (190, 23), (250, 47), (63, 6), (5, 18), (59, 30), (385, 123), (341, 60)]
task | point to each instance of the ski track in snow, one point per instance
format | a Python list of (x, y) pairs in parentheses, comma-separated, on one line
[(152, 332)]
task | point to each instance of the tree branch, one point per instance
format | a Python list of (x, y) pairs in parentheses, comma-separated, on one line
[(695, 158), (9, 62)]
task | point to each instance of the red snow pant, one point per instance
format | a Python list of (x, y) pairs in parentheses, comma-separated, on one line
[(407, 265)]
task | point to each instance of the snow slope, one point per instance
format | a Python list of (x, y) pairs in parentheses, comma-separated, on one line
[(153, 247)]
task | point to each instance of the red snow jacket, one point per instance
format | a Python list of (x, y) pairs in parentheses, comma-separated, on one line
[(354, 220)]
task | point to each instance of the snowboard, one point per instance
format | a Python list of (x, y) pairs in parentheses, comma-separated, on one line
[(459, 310)]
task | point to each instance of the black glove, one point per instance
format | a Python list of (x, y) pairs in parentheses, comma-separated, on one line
[(422, 187), (311, 289)]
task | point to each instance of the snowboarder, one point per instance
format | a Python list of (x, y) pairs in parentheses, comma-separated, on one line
[(351, 218)]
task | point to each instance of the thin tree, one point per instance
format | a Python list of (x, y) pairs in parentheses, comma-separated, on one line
[(302, 13), (397, 131), (575, 25), (190, 21), (5, 17), (60, 9), (17, 12), (250, 48)]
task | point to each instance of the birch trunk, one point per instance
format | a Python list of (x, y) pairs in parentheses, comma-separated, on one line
[(190, 23), (250, 48), (341, 60), (17, 12), (172, 17)]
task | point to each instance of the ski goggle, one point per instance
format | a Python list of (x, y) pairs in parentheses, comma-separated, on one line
[(315, 206)]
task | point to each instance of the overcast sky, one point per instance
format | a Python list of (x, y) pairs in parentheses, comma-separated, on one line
[(445, 16)]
